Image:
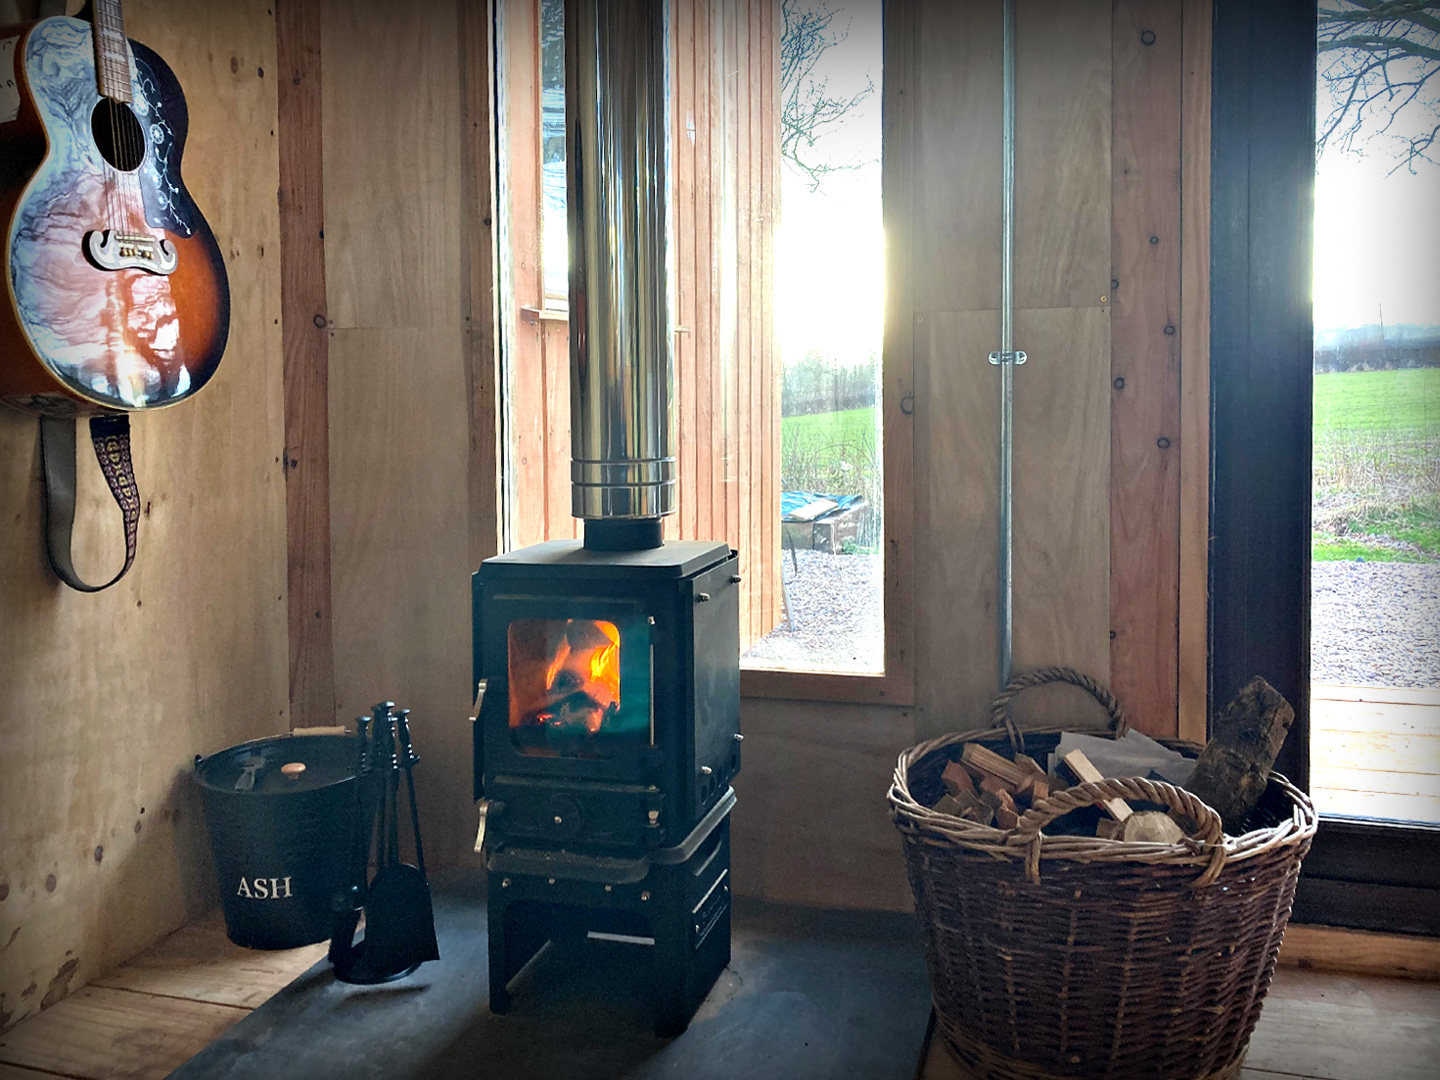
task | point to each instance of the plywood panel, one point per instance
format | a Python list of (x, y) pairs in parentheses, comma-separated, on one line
[(1145, 365), (957, 131), (103, 1034), (1062, 483), (391, 104), (104, 699), (400, 551), (957, 481), (811, 825), (1062, 154)]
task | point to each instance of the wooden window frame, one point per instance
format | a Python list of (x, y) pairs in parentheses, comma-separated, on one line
[(1364, 874), (896, 684)]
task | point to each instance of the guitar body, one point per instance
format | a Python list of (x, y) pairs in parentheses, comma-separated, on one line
[(115, 293)]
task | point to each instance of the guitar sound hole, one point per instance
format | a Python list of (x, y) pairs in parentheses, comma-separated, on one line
[(118, 134)]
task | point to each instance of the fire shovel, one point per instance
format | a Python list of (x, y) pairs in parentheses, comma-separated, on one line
[(399, 916)]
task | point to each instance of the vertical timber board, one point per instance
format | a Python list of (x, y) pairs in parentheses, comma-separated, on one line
[(1194, 373), (703, 463), (399, 405), (1145, 365), (721, 253), (744, 355), (480, 272), (898, 394), (769, 584), (729, 357), (555, 415), (519, 100), (684, 231), (104, 699), (305, 332)]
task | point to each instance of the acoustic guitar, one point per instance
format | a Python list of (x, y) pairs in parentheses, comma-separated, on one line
[(115, 294)]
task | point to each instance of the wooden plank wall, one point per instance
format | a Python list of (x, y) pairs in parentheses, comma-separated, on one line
[(104, 699), (726, 186)]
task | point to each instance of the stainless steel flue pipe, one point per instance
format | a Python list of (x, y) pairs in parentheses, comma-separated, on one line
[(622, 369)]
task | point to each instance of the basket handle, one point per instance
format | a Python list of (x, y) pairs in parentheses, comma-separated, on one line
[(1000, 709), (1212, 833)]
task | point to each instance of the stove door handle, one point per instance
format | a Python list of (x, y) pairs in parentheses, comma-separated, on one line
[(487, 808)]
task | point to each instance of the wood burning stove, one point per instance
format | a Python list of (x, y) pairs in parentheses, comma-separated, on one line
[(605, 744), (609, 726)]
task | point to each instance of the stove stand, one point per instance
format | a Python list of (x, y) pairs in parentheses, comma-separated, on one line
[(678, 898)]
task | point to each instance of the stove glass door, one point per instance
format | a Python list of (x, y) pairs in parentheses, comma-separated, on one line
[(578, 688)]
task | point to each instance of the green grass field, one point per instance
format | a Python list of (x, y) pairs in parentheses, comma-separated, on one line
[(1377, 462), (1377, 466), (850, 425)]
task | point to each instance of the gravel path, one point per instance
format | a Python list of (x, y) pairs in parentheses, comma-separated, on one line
[(1375, 624), (836, 615), (1372, 623)]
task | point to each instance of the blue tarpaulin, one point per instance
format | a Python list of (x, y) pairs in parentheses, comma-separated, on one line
[(790, 501)]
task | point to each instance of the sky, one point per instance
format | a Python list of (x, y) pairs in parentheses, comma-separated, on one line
[(1377, 231), (830, 246)]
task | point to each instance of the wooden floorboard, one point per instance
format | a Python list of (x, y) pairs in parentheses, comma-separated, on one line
[(1318, 1027), (102, 1034), (154, 1012), (15, 1072), (200, 963)]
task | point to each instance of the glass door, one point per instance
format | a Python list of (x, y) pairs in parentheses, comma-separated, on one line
[(1375, 532)]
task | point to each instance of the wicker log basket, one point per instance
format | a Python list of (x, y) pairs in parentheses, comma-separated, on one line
[(1069, 956)]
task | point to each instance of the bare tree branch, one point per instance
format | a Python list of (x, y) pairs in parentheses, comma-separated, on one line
[(808, 111), (1377, 60)]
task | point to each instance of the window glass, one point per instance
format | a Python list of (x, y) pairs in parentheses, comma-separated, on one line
[(555, 252), (1375, 574), (829, 302)]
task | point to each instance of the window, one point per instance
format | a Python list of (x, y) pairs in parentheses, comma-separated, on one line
[(829, 296), (757, 355)]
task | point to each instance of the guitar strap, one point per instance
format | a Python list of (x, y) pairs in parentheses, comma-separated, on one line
[(111, 438)]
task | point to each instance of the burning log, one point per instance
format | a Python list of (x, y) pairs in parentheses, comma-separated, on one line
[(1234, 769)]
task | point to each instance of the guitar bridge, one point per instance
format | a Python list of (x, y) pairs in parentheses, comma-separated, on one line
[(111, 250)]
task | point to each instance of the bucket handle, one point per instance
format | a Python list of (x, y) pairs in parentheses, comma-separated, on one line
[(1000, 708), (1212, 833)]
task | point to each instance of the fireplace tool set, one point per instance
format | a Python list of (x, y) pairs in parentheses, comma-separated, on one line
[(399, 919)]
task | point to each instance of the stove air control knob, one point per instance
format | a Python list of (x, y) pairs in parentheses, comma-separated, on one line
[(566, 817)]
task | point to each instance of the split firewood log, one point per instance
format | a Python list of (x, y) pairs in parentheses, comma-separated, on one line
[(1151, 827), (1085, 772), (957, 780)]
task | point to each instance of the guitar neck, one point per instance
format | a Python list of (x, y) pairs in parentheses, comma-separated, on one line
[(112, 56)]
